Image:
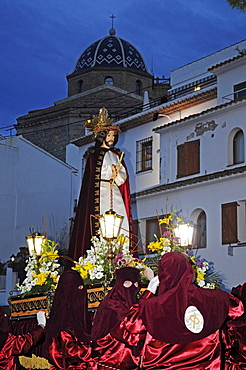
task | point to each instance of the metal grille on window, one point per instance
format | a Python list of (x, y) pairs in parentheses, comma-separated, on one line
[(240, 90), (144, 155)]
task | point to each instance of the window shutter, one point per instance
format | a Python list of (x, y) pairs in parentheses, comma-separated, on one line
[(229, 223), (193, 157), (188, 162)]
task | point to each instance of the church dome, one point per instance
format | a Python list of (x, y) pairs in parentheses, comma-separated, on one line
[(113, 52)]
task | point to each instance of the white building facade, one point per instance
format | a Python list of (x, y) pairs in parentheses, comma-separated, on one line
[(192, 159), (36, 190)]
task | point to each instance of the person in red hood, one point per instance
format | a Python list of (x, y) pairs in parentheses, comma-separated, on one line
[(184, 321), (11, 346)]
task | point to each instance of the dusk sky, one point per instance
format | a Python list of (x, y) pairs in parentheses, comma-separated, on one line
[(41, 40)]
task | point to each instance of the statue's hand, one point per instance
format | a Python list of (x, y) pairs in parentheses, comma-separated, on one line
[(114, 172)]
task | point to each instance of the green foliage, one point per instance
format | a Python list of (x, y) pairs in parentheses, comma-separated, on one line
[(238, 4)]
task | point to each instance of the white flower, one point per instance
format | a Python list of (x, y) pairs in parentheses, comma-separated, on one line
[(100, 268), (92, 275), (99, 275), (201, 283), (54, 273)]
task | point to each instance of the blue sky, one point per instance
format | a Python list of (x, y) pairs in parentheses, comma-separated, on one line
[(41, 40)]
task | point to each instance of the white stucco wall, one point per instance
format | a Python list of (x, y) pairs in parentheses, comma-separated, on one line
[(207, 197), (227, 76), (35, 188), (199, 68), (215, 151)]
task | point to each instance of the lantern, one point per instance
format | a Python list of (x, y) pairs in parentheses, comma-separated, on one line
[(184, 231), (110, 225), (34, 243)]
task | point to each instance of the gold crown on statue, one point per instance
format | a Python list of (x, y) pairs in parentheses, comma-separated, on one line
[(100, 122)]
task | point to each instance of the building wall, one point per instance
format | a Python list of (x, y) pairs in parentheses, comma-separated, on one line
[(208, 197), (206, 192), (35, 188), (55, 127), (228, 76), (123, 78), (213, 130), (159, 191), (199, 68)]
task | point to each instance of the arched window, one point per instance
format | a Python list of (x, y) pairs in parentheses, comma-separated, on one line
[(138, 87), (238, 147), (201, 231), (80, 86), (199, 218), (109, 80)]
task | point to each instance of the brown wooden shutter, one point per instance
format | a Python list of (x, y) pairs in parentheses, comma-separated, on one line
[(193, 157), (229, 223), (188, 162)]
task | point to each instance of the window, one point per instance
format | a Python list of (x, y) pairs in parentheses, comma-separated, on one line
[(238, 147), (229, 223), (240, 90), (80, 86), (153, 227), (188, 162), (201, 231), (144, 155), (234, 222), (138, 87), (109, 80)]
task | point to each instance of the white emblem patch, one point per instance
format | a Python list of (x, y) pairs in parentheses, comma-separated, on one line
[(193, 319)]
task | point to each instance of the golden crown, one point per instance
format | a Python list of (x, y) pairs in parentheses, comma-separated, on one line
[(100, 122)]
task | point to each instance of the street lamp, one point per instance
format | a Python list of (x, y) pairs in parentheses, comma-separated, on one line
[(34, 243), (184, 231)]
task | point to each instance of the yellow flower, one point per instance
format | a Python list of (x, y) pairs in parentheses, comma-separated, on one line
[(165, 242), (49, 254), (83, 270), (55, 279), (199, 274), (89, 266), (122, 239), (164, 220), (154, 246), (41, 277)]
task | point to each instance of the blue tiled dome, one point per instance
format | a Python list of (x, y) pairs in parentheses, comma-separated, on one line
[(111, 51)]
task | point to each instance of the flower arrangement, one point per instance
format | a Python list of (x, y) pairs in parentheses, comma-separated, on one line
[(206, 276), (167, 242), (42, 271), (103, 258)]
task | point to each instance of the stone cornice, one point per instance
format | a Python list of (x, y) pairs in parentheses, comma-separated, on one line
[(189, 182), (210, 110)]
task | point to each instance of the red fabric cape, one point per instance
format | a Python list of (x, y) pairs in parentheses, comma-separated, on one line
[(163, 315), (86, 226)]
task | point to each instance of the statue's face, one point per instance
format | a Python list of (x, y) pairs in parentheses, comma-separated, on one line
[(109, 140)]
